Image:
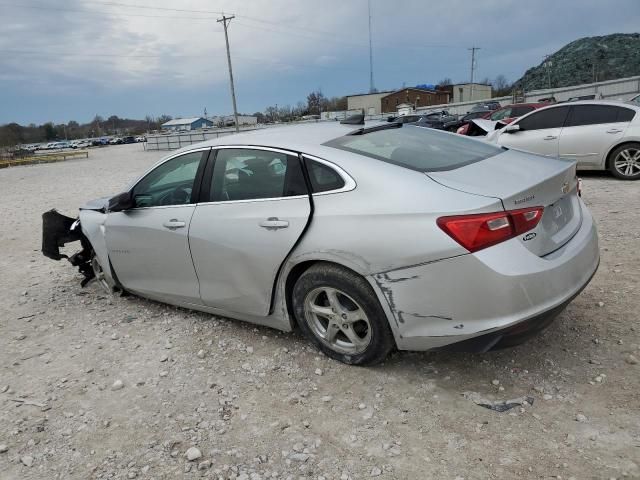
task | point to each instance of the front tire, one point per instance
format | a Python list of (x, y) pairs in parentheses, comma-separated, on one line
[(105, 283), (625, 161), (338, 311)]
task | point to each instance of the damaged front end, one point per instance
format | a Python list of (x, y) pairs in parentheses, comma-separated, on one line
[(57, 231)]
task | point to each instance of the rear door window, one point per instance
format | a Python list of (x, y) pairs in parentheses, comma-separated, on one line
[(549, 118), (581, 115), (417, 148)]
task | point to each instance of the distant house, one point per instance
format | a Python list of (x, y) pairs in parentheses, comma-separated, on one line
[(369, 103), (193, 123), (418, 97), (469, 92)]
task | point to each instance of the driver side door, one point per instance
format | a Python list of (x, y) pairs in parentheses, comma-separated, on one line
[(539, 132), (148, 245)]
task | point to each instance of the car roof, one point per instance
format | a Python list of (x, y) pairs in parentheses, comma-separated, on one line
[(308, 137), (530, 104), (612, 103)]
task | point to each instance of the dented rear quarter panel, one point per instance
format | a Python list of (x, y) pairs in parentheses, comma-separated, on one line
[(447, 301), (397, 231)]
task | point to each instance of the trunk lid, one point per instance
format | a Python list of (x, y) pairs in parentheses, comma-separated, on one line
[(522, 180)]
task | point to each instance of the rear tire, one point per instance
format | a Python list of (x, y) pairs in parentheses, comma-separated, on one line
[(338, 311), (624, 161)]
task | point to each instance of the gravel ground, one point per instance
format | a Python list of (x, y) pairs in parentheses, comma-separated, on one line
[(93, 386)]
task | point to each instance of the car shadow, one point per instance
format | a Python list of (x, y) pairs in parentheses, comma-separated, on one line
[(542, 356)]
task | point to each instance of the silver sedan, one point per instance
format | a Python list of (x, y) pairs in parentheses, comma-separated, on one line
[(598, 135), (367, 238)]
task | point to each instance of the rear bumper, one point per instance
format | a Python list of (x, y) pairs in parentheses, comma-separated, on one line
[(511, 335), (502, 291)]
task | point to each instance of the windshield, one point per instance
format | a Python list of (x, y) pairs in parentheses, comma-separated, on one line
[(417, 148)]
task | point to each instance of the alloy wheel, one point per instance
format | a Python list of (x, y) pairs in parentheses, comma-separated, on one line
[(337, 320), (627, 162), (99, 274)]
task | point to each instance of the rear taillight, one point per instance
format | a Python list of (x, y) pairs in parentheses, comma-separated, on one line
[(482, 230)]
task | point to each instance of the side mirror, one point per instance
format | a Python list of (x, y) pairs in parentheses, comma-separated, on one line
[(512, 128), (122, 201)]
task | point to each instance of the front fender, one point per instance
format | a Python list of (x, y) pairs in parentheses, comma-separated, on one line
[(93, 227)]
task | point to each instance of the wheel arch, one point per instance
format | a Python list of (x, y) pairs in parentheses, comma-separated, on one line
[(609, 156), (295, 272)]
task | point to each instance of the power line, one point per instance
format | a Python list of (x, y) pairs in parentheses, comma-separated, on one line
[(295, 34), (224, 21), (312, 34), (102, 13), (116, 55), (149, 7)]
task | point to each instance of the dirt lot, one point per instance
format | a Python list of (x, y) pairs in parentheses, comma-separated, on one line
[(259, 404)]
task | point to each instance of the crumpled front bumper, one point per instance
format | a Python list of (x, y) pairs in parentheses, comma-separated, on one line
[(57, 231)]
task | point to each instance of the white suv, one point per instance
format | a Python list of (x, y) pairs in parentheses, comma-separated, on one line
[(598, 135)]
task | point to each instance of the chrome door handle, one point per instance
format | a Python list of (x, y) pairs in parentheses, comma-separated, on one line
[(614, 130), (550, 137), (173, 224), (274, 223)]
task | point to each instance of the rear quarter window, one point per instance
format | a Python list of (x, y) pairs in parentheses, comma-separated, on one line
[(417, 148), (323, 178)]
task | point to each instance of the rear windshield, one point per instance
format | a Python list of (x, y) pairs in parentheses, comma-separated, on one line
[(417, 148)]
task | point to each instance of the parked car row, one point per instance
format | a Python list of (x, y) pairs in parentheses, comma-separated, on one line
[(84, 143), (440, 120)]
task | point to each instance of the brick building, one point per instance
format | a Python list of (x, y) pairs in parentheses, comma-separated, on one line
[(417, 97)]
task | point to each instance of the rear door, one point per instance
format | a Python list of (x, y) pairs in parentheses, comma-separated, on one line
[(591, 130), (539, 132), (258, 207)]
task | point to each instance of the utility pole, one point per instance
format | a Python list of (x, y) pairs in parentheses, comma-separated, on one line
[(548, 64), (473, 68), (224, 21), (372, 88)]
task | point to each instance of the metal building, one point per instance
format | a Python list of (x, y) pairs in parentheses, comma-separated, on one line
[(369, 103), (193, 123)]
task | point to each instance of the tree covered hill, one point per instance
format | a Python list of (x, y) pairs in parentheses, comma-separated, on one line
[(586, 60)]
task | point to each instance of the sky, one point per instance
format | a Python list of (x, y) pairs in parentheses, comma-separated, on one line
[(72, 60)]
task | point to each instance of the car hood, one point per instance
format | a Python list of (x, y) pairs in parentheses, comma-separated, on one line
[(484, 124), (99, 204)]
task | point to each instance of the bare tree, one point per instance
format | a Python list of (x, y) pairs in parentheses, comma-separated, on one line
[(315, 102), (501, 86)]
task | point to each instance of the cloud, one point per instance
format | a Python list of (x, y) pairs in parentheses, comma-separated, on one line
[(281, 49)]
